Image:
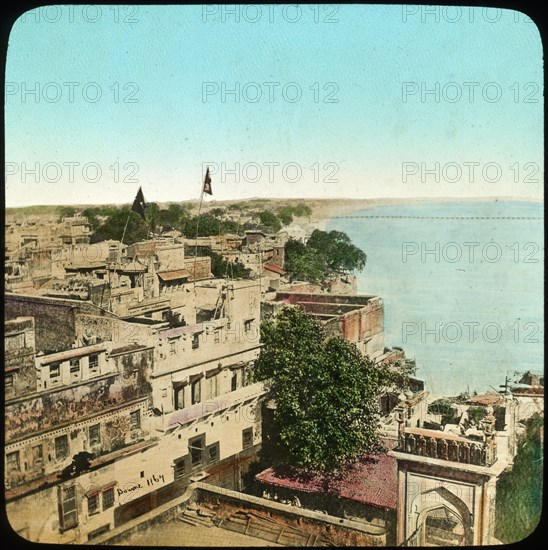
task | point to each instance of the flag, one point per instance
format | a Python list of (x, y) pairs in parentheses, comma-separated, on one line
[(139, 204), (207, 183)]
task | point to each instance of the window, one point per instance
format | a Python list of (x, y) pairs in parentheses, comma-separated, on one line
[(108, 498), (213, 453), (180, 468), (217, 336), (197, 447), (94, 363), (95, 434), (93, 504), (179, 393), (247, 325), (234, 382), (196, 393), (55, 370), (68, 509), (196, 341), (61, 447), (13, 461), (97, 532), (8, 381), (135, 420), (247, 438), (75, 368), (37, 455), (172, 349)]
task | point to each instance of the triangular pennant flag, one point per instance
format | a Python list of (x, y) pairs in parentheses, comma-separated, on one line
[(139, 204), (207, 183)]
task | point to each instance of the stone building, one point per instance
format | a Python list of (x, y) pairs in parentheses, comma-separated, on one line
[(356, 318), (447, 482), (19, 353), (122, 414)]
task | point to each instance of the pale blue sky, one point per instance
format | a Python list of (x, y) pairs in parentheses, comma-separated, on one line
[(171, 129)]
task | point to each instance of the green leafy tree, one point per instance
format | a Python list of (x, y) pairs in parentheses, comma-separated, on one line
[(340, 253), (113, 227), (269, 219), (518, 506), (303, 263), (326, 394), (220, 267), (285, 215)]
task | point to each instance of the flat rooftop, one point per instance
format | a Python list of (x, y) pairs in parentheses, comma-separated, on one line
[(325, 306)]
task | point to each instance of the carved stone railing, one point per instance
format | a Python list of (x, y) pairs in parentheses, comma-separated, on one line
[(450, 447)]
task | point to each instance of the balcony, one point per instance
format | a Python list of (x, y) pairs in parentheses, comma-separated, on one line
[(448, 446)]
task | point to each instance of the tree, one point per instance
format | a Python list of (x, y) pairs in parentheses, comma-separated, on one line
[(113, 227), (324, 255), (340, 253), (326, 394), (518, 506), (220, 267), (270, 219)]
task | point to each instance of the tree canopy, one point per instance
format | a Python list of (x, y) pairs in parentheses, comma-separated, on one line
[(220, 267), (519, 491), (326, 394), (325, 254), (108, 222)]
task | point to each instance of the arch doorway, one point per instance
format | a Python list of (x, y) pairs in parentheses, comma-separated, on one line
[(442, 527)]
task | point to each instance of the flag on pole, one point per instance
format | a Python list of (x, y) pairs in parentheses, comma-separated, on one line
[(139, 204), (207, 183)]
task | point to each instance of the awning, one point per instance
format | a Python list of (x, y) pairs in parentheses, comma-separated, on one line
[(174, 275)]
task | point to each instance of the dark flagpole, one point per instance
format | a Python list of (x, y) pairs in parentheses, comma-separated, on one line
[(207, 180)]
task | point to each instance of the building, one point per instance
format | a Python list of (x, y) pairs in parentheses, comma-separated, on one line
[(367, 494), (108, 418), (356, 318), (447, 481)]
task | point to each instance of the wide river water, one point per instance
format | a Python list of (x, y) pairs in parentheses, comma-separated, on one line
[(462, 284)]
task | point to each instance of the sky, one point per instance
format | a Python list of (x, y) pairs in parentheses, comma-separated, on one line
[(279, 101)]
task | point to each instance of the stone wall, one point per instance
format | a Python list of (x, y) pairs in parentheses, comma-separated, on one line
[(55, 321)]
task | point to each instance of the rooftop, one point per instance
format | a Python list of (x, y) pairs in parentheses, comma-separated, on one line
[(274, 268), (373, 480), (327, 305)]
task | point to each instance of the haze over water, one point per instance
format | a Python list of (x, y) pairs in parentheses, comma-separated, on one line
[(468, 313)]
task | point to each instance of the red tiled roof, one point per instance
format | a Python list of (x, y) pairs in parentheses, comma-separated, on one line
[(373, 480), (274, 268)]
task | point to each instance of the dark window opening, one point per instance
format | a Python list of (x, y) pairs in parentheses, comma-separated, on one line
[(179, 397), (196, 391), (61, 447), (95, 434), (213, 453), (180, 469), (108, 498), (197, 447), (93, 504), (55, 370), (247, 438), (135, 420), (68, 507), (13, 461)]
